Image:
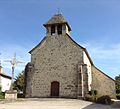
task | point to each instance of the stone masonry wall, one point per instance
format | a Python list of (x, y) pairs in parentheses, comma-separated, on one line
[(102, 83), (29, 71), (56, 59)]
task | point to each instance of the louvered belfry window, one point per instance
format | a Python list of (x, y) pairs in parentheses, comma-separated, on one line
[(52, 29), (59, 29)]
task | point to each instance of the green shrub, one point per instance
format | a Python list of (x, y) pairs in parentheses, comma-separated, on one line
[(104, 100), (0, 88), (118, 96), (89, 97), (2, 95), (90, 92), (20, 95), (93, 92)]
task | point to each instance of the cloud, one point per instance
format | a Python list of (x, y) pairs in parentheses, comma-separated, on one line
[(104, 52)]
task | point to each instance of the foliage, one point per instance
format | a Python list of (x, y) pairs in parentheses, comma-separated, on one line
[(0, 88), (117, 82), (104, 100), (20, 95), (118, 96), (19, 82), (1, 94), (93, 92), (91, 96)]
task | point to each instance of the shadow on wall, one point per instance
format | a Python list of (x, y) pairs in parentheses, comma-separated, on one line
[(115, 105)]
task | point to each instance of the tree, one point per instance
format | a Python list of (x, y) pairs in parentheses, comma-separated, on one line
[(117, 82), (0, 88), (19, 82)]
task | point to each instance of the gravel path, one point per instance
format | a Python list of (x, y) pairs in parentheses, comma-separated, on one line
[(52, 103)]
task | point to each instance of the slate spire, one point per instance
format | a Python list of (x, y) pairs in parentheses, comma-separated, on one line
[(57, 19)]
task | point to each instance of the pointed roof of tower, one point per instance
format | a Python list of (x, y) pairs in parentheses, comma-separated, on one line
[(57, 19)]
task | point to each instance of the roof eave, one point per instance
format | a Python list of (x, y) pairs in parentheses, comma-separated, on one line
[(84, 49), (37, 45), (103, 73)]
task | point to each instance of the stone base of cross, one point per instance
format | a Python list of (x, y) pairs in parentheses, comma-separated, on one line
[(11, 95)]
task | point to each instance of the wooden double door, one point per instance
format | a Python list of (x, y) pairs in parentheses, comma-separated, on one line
[(55, 89)]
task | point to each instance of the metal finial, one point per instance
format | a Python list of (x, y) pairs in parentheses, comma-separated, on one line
[(59, 11)]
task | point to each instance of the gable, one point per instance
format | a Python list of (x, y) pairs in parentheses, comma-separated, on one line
[(44, 41)]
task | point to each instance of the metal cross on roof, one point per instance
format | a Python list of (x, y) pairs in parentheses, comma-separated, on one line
[(59, 11), (13, 62)]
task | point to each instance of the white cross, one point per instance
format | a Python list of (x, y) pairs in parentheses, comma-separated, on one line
[(13, 62)]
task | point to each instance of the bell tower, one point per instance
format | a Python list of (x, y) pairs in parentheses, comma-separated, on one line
[(57, 25)]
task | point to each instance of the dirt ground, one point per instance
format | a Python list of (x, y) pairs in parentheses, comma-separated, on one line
[(53, 103)]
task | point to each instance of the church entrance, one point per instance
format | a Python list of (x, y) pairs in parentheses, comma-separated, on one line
[(55, 89)]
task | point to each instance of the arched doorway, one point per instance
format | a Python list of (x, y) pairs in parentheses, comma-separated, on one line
[(55, 89)]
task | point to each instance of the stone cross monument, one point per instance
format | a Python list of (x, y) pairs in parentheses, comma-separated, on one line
[(13, 62), (12, 94)]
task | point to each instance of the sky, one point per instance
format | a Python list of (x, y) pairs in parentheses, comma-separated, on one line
[(95, 25)]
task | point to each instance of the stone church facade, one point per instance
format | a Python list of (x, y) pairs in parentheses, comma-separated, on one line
[(60, 67)]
